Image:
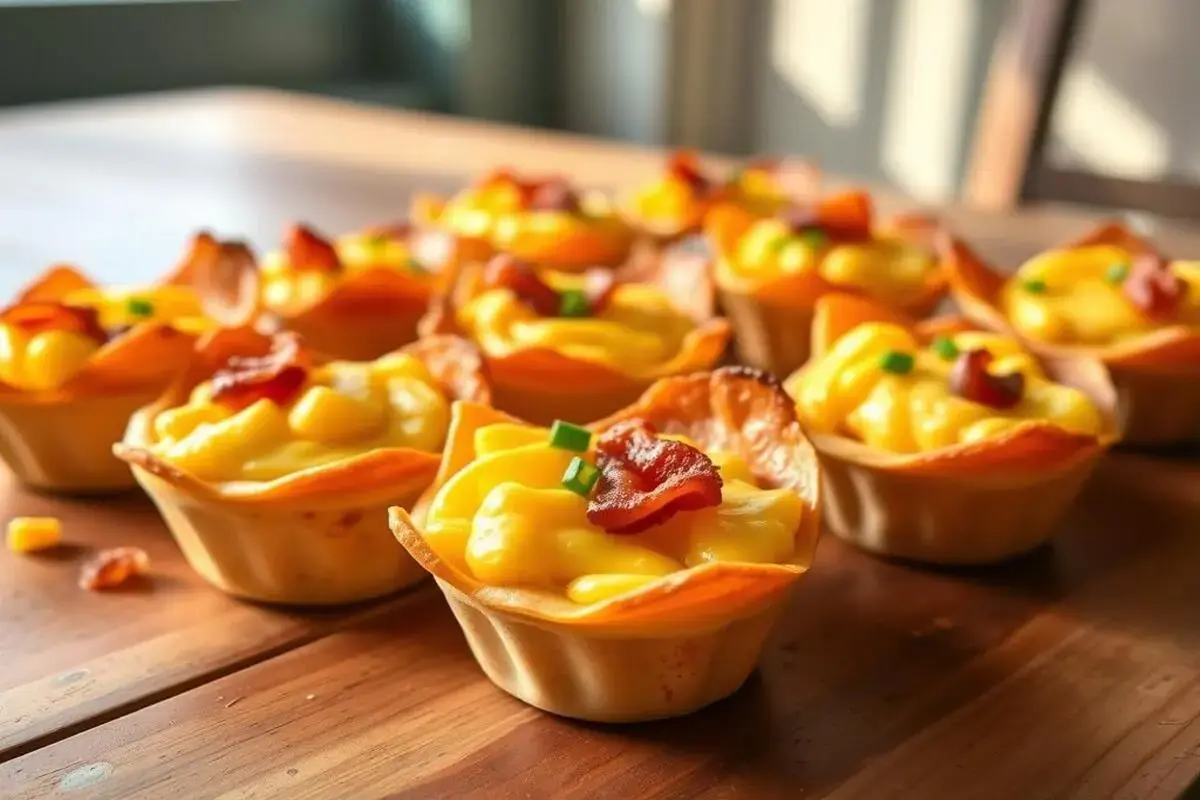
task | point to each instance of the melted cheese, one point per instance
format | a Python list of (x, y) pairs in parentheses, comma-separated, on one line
[(506, 519), (847, 392), (345, 409), (638, 333), (46, 360), (886, 268), (284, 288), (1079, 303)]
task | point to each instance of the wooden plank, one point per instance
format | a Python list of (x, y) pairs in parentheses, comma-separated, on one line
[(1017, 100), (1075, 670), (73, 658), (1174, 198)]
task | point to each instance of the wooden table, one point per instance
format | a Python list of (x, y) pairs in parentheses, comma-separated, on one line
[(1072, 672)]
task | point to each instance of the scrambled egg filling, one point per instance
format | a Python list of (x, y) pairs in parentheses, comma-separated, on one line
[(848, 392), (284, 287), (596, 229), (474, 213), (886, 268), (1075, 296), (46, 360), (344, 410), (507, 519), (638, 332), (671, 199)]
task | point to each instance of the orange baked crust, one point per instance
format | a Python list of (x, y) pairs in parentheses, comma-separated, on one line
[(1032, 447), (142, 360), (976, 287), (375, 476), (733, 409)]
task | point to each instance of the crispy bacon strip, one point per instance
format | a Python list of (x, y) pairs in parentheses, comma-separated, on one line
[(306, 250), (553, 194), (970, 379), (645, 480), (34, 318), (507, 272), (1153, 288), (225, 276), (277, 376), (685, 167)]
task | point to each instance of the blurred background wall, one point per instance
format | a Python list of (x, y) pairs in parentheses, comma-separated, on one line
[(882, 90)]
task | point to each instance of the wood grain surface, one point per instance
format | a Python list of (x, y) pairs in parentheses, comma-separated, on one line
[(70, 656), (1072, 672)]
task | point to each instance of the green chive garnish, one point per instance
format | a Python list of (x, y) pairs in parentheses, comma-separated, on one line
[(580, 477), (1034, 286), (1117, 272), (813, 237), (945, 347), (414, 266), (141, 308), (778, 243), (566, 436), (896, 362), (573, 303)]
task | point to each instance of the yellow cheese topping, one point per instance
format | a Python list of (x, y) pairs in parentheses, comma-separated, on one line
[(507, 519), (473, 212), (597, 222), (887, 267), (850, 393), (638, 332), (672, 199), (1075, 296), (344, 410), (283, 287), (48, 359)]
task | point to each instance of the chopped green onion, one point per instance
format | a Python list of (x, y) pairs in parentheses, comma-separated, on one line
[(813, 237), (1117, 272), (566, 436), (573, 303), (778, 243), (1034, 286), (414, 266), (896, 362), (141, 308), (580, 477), (945, 347)]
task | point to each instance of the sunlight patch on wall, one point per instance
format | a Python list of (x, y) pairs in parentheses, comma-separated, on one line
[(1097, 128), (928, 82), (654, 8), (820, 49)]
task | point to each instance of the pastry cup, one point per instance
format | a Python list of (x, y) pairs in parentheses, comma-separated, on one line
[(638, 209), (541, 384), (967, 504), (315, 537), (675, 645), (772, 319), (61, 439), (369, 312), (1157, 376)]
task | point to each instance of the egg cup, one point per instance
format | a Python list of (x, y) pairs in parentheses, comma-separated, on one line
[(313, 537), (772, 318), (975, 503), (570, 231), (676, 204), (60, 440), (1157, 375), (542, 384), (370, 310), (674, 645)]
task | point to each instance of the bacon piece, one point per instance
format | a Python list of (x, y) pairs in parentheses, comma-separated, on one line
[(306, 250), (111, 568), (277, 376), (970, 379), (34, 318), (506, 272), (1153, 288), (225, 276), (685, 167), (553, 194), (645, 480), (844, 218), (391, 231)]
